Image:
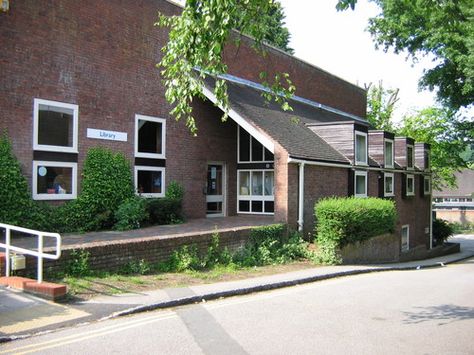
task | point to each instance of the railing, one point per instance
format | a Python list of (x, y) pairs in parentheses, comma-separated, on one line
[(38, 253)]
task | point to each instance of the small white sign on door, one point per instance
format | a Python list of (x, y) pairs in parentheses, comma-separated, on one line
[(107, 135)]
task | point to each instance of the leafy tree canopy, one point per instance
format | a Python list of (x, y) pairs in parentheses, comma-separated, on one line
[(381, 103)]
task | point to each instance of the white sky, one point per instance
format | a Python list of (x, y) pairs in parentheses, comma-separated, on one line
[(338, 43)]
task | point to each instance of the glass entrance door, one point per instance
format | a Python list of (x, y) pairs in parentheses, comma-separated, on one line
[(215, 190)]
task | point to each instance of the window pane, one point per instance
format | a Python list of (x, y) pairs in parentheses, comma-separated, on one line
[(410, 157), (214, 179), (257, 206), (268, 155), (244, 206), (244, 145), (361, 154), (149, 137), (244, 183), (388, 153), (269, 206), (410, 185), (214, 208), (360, 185), (257, 150), (269, 183), (427, 185), (404, 238), (257, 183), (149, 181), (55, 126), (54, 180)]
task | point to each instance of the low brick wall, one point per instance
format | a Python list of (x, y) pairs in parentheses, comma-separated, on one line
[(380, 249), (111, 256)]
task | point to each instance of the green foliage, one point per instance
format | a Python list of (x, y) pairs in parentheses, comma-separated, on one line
[(107, 183), (442, 230), (174, 191), (164, 210), (140, 267), (78, 264), (215, 255), (459, 228), (342, 221), (380, 106), (130, 214), (14, 195), (182, 259)]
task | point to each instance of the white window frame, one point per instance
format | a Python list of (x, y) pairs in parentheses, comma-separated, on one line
[(163, 137), (410, 193), (250, 197), (412, 167), (250, 150), (364, 174), (57, 164), (407, 227), (75, 126), (425, 179), (149, 168), (362, 134), (392, 193), (385, 153)]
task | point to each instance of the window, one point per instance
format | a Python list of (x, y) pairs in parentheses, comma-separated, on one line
[(426, 185), (410, 185), (55, 126), (360, 148), (150, 181), (255, 191), (405, 237), (388, 153), (388, 185), (360, 184), (54, 180), (150, 136), (250, 149), (410, 157), (427, 159)]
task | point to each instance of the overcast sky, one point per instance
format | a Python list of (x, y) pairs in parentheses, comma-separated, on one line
[(337, 42)]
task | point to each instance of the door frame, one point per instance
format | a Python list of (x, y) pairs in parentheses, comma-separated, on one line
[(224, 188)]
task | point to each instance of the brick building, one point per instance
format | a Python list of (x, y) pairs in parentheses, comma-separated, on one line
[(79, 74)]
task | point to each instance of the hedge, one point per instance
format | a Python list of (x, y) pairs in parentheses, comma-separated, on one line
[(347, 220)]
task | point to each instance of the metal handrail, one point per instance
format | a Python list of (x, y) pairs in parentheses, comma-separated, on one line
[(39, 253)]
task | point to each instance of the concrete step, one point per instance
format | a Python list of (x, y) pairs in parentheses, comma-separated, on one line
[(48, 290)]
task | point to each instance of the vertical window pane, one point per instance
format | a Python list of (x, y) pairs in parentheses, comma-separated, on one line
[(54, 180), (388, 184), (149, 181), (257, 183), (405, 236), (244, 206), (150, 137), (55, 126), (244, 145), (361, 153), (268, 155), (269, 183), (269, 206), (410, 185), (257, 150), (214, 179), (244, 183), (427, 185), (257, 206), (388, 153), (410, 157), (360, 185)]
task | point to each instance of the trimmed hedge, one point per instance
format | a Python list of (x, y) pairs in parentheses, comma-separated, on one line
[(347, 220), (164, 210)]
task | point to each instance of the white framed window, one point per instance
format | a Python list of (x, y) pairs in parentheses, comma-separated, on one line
[(55, 126), (388, 184), (405, 236), (410, 183), (427, 159), (426, 185), (360, 148), (410, 157), (54, 180), (150, 137), (388, 153), (360, 183), (255, 192), (149, 181), (250, 150)]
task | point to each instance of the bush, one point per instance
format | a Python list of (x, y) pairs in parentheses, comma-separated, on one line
[(342, 221), (130, 214), (141, 267), (442, 230), (107, 183), (164, 210), (78, 264), (175, 191)]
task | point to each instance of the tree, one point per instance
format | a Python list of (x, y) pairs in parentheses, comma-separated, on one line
[(449, 136), (380, 106)]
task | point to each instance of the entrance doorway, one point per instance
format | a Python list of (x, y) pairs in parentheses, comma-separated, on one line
[(215, 190)]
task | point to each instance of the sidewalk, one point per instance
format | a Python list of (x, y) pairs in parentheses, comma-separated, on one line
[(22, 315)]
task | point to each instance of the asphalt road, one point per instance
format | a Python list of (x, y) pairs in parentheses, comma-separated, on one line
[(427, 311)]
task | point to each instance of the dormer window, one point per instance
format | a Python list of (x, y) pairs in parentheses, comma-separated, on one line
[(360, 148), (388, 153), (410, 157), (427, 159)]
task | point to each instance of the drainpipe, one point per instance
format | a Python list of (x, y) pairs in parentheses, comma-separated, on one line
[(431, 215), (301, 197)]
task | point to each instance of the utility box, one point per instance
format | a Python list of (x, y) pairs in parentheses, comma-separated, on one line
[(18, 262)]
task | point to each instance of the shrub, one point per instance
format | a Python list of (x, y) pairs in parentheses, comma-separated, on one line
[(174, 191), (141, 267), (130, 214), (107, 182), (164, 210), (182, 259), (442, 230), (342, 221), (78, 264)]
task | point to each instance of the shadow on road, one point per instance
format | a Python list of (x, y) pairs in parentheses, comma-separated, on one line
[(448, 313)]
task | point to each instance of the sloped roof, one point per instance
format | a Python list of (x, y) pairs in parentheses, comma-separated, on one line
[(465, 188), (288, 128)]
